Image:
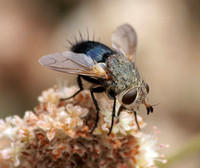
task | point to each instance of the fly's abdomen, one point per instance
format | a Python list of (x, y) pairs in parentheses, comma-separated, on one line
[(97, 51)]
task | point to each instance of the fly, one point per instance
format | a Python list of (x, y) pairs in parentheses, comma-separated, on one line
[(110, 70)]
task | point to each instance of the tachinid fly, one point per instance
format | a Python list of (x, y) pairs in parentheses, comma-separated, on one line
[(110, 70)]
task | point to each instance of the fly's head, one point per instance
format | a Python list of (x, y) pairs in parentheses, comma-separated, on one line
[(134, 96)]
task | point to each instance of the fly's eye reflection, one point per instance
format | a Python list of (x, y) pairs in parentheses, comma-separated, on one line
[(147, 87), (130, 96)]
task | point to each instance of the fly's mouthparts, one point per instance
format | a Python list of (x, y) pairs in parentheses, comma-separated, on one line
[(148, 107)]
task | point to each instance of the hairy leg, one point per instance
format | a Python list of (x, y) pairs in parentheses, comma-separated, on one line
[(80, 89), (92, 91)]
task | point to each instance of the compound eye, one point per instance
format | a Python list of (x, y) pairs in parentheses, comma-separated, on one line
[(147, 87), (130, 96)]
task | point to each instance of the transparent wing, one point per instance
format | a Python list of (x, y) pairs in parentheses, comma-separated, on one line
[(124, 39), (70, 62)]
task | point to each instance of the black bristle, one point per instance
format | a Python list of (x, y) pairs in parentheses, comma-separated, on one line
[(81, 36)]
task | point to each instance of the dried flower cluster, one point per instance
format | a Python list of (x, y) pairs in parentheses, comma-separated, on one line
[(56, 134)]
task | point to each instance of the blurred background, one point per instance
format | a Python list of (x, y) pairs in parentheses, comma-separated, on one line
[(167, 56)]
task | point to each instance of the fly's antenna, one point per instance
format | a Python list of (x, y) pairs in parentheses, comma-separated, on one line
[(156, 104)]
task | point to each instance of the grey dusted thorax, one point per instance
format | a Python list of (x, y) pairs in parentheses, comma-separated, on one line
[(123, 73)]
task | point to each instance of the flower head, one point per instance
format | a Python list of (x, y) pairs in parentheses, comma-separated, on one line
[(57, 134)]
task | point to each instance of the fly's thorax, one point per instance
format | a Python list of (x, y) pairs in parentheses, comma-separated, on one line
[(131, 98), (122, 71)]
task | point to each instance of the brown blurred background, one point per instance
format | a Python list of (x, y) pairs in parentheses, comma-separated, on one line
[(168, 55)]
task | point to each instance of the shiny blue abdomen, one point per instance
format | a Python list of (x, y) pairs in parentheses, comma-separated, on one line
[(96, 50)]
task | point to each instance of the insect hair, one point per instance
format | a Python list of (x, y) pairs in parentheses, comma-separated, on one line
[(80, 38)]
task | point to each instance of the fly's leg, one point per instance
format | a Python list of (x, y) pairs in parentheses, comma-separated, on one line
[(136, 120), (92, 91), (120, 109), (80, 84), (80, 89), (135, 115), (113, 112)]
